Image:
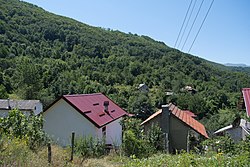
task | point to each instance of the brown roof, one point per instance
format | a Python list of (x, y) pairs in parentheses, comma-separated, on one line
[(184, 117)]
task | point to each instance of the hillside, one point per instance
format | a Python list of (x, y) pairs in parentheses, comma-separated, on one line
[(43, 55)]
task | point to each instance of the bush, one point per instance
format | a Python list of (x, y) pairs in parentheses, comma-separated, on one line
[(13, 151), (90, 147), (17, 125), (133, 146), (225, 145)]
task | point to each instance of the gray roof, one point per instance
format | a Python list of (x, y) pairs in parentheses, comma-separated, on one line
[(19, 104), (243, 124)]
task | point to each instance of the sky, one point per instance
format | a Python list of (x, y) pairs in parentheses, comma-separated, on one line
[(224, 36)]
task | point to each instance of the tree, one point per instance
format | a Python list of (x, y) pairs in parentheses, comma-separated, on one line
[(141, 106), (3, 92), (27, 78)]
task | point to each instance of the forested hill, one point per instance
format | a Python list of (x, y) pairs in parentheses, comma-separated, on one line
[(43, 55)]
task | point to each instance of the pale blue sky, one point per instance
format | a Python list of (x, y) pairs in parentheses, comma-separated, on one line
[(224, 38)]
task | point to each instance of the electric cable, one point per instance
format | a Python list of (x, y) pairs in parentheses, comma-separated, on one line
[(193, 24), (187, 23), (201, 25), (183, 22)]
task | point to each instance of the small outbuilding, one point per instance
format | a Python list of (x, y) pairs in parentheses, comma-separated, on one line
[(143, 88), (238, 130), (87, 115), (27, 107), (176, 125)]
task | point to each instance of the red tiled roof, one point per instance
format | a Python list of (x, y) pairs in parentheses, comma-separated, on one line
[(91, 106), (246, 96), (184, 117), (190, 113)]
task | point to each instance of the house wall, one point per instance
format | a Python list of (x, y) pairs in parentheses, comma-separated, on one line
[(235, 133), (39, 108), (154, 121), (61, 119), (178, 134), (113, 133), (178, 131), (244, 134)]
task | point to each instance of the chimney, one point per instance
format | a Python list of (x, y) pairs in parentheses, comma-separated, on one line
[(8, 104), (106, 106), (165, 121), (165, 126)]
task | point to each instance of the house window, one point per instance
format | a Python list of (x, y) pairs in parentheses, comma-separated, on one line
[(104, 132)]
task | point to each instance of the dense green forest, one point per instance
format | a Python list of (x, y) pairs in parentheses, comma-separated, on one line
[(43, 56)]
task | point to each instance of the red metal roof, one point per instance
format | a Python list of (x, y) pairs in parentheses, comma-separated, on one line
[(246, 96), (91, 106), (184, 117)]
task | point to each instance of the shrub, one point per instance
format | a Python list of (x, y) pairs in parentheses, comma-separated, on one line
[(90, 147), (133, 146), (17, 125)]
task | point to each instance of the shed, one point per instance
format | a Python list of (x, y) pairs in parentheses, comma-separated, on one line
[(25, 106), (143, 88), (238, 130), (176, 124), (87, 115)]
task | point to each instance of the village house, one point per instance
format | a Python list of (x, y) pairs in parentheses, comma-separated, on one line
[(87, 115), (238, 130), (176, 125), (27, 107), (143, 88)]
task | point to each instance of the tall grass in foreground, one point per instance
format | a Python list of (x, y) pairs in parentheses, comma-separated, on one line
[(16, 152)]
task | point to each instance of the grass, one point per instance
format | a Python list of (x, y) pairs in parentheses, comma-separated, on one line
[(15, 152)]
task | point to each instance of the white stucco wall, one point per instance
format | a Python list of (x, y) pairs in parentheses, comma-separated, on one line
[(61, 119), (38, 108), (113, 133)]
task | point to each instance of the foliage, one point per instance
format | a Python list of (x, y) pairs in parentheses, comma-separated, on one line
[(90, 147), (136, 147), (186, 159), (20, 126), (225, 145), (155, 137), (137, 143), (3, 92), (13, 151), (43, 56)]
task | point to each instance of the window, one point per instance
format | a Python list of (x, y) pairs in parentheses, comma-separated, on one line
[(104, 132)]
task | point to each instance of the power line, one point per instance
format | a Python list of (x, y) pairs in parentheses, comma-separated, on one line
[(187, 23), (201, 25), (192, 24), (183, 22)]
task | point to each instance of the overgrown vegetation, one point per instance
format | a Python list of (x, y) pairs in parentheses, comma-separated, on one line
[(27, 129), (19, 147), (43, 56)]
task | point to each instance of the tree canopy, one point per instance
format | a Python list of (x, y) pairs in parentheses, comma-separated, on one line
[(43, 56)]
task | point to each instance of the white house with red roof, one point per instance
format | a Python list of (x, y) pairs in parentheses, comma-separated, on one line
[(87, 115)]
